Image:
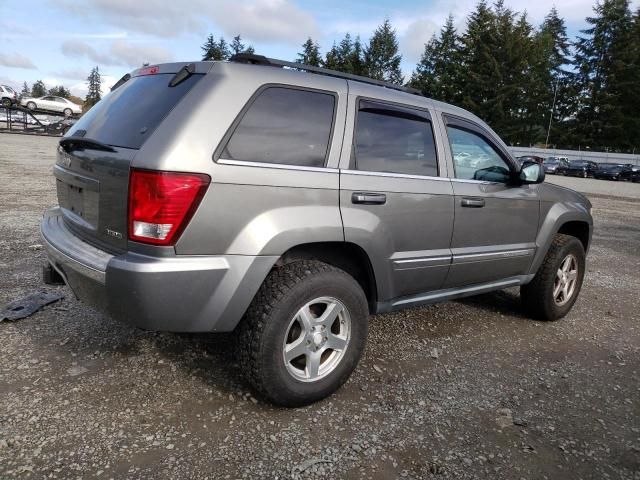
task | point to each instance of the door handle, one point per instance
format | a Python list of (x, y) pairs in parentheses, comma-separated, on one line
[(472, 202), (366, 198)]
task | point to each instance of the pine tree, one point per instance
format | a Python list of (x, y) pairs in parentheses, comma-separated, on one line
[(94, 82), (213, 50), (344, 55), (331, 58), (60, 91), (310, 54), (438, 74), (381, 57), (237, 46), (25, 90), (38, 89), (604, 65), (209, 48), (357, 58)]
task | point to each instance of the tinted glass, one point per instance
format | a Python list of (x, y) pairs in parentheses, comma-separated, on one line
[(394, 142), (474, 158), (284, 125), (127, 116)]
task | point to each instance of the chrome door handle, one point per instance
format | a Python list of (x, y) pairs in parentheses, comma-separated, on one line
[(366, 198), (472, 202)]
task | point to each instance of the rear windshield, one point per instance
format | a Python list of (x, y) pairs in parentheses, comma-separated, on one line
[(127, 116)]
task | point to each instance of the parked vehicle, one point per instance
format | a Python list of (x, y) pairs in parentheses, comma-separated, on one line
[(8, 96), (635, 173), (581, 168), (50, 103), (556, 166), (530, 158), (290, 206), (613, 171)]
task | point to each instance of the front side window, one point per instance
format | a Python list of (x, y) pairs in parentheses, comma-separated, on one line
[(474, 158), (394, 141), (286, 126)]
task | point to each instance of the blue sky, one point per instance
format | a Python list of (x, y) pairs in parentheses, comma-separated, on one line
[(59, 41)]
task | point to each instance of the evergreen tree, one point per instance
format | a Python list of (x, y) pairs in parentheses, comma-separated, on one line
[(60, 91), (94, 82), (310, 54), (438, 74), (605, 76), (331, 58), (38, 89), (25, 90), (357, 58), (213, 50), (381, 57), (236, 45), (344, 55)]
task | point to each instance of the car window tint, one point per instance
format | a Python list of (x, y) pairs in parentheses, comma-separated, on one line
[(474, 158), (394, 142), (286, 126)]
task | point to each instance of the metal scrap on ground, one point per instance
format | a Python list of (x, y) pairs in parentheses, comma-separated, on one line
[(25, 306)]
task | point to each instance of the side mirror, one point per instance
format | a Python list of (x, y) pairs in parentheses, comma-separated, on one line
[(531, 172)]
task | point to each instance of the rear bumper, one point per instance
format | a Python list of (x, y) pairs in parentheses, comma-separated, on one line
[(178, 293)]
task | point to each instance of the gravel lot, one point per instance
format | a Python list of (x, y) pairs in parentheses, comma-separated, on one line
[(465, 389)]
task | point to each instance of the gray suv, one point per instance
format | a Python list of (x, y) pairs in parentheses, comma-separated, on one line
[(288, 203)]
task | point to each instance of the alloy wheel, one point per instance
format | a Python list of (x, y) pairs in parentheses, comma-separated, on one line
[(566, 279), (316, 339)]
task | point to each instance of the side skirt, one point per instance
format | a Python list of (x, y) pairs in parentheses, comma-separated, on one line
[(450, 294)]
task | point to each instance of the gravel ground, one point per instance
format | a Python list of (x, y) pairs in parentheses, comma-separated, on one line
[(465, 389)]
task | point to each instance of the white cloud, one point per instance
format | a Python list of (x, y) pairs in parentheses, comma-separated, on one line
[(264, 20), (258, 20), (16, 60), (415, 36), (120, 52)]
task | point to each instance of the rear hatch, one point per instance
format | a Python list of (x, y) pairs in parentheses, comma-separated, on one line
[(94, 158)]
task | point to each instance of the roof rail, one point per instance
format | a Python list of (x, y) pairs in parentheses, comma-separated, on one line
[(254, 59)]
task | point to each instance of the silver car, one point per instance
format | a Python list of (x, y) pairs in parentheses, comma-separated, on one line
[(50, 103), (289, 206)]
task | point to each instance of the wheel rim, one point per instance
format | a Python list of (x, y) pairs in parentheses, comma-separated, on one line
[(566, 280), (316, 339), (31, 106)]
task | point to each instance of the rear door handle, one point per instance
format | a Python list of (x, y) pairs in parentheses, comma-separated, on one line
[(367, 198), (472, 202)]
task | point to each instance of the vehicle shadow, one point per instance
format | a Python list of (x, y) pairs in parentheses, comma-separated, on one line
[(505, 302)]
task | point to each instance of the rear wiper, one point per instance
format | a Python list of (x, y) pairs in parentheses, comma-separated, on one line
[(184, 73), (78, 143), (124, 79)]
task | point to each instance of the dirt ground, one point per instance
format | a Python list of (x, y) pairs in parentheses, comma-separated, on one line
[(465, 389)]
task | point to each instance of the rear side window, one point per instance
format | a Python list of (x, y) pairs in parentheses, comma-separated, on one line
[(127, 116), (394, 141), (286, 126)]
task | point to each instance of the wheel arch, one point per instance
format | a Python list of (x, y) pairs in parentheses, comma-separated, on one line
[(347, 256)]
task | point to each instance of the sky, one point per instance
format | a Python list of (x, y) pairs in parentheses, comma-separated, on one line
[(59, 41)]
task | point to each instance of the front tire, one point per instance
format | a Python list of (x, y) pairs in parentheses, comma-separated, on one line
[(67, 112), (556, 286), (303, 334), (6, 102)]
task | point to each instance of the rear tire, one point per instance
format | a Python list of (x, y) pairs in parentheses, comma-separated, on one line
[(31, 105), (286, 317), (545, 298), (6, 102), (67, 112)]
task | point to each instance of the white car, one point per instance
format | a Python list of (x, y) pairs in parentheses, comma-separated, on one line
[(8, 96), (52, 104)]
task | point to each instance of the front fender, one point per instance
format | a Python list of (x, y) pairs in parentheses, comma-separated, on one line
[(554, 216)]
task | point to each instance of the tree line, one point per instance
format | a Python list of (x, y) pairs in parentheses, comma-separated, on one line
[(528, 82)]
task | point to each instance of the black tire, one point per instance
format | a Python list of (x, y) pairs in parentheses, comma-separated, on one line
[(537, 296), (31, 105), (261, 333), (67, 112), (6, 102)]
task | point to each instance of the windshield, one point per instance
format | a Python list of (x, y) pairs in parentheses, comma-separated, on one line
[(609, 166), (550, 161), (579, 163), (127, 116)]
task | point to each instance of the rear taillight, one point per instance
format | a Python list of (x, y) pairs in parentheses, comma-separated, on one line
[(162, 203)]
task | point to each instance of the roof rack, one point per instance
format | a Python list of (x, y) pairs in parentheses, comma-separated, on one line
[(254, 59)]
